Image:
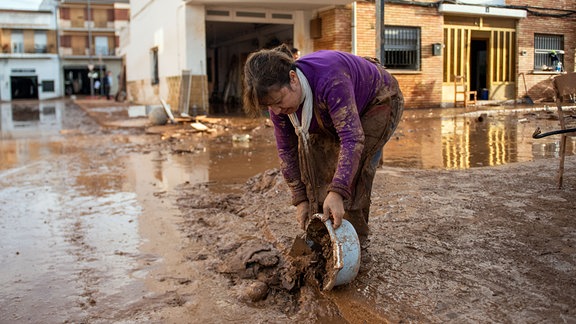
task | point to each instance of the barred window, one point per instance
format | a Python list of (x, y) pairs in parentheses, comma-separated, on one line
[(402, 47), (548, 50)]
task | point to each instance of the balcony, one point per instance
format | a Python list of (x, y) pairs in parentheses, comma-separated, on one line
[(83, 52), (84, 25), (18, 50)]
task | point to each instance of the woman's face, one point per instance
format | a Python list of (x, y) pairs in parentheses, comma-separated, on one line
[(287, 99)]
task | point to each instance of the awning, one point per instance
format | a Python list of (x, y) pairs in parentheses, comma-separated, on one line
[(471, 10)]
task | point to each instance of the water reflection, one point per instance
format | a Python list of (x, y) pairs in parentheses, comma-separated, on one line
[(28, 130), (224, 166), (35, 119), (435, 138), (453, 139)]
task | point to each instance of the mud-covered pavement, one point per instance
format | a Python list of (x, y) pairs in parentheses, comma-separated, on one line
[(104, 223)]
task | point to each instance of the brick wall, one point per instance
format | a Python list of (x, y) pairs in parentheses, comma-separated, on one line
[(421, 89), (336, 32), (539, 84), (365, 29), (121, 14)]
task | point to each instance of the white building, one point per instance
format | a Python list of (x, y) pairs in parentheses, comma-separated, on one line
[(189, 51), (29, 63)]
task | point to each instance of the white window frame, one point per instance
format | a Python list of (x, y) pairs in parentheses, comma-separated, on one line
[(17, 41), (543, 53), (40, 41), (101, 45), (249, 15)]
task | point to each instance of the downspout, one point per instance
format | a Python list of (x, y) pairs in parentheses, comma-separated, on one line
[(56, 10), (354, 36)]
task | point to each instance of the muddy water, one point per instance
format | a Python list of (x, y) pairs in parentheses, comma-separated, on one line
[(457, 139), (80, 234)]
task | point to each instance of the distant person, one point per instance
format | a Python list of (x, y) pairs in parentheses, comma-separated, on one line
[(332, 113), (295, 53), (97, 86), (107, 84)]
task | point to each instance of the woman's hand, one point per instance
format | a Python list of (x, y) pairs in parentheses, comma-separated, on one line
[(302, 214), (333, 208)]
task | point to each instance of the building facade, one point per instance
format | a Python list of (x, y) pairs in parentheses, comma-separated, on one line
[(89, 43), (64, 47), (191, 52), (504, 49), (28, 55)]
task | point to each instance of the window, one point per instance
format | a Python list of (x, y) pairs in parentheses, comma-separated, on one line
[(154, 65), (40, 42), (402, 48), (548, 51), (48, 86), (17, 41), (101, 43)]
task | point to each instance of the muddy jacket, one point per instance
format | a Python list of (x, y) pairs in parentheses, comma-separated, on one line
[(343, 86)]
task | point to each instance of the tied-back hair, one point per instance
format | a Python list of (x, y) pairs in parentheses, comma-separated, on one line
[(265, 70)]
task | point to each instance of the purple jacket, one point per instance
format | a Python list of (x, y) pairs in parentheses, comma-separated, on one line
[(343, 85)]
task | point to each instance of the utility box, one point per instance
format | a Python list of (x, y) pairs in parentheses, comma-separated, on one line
[(436, 49)]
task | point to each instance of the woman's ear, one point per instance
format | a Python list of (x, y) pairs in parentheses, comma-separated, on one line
[(294, 78)]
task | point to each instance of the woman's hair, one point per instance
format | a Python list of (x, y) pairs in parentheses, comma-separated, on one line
[(265, 70)]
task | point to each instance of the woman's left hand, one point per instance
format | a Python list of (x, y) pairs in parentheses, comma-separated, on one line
[(333, 208)]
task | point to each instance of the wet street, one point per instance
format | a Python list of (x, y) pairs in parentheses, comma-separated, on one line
[(84, 211)]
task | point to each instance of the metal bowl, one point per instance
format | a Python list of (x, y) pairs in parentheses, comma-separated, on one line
[(345, 263)]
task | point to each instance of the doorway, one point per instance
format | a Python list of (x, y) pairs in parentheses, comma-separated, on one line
[(24, 87), (77, 80), (478, 67), (228, 46)]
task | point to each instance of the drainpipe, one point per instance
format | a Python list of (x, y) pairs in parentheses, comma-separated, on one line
[(354, 36), (91, 64), (56, 14), (380, 31)]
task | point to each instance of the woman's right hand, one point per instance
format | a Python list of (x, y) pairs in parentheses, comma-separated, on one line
[(302, 214)]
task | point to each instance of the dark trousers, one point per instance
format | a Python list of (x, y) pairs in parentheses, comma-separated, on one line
[(107, 91)]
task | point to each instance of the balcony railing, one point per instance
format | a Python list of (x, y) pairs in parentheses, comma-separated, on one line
[(85, 24), (82, 51), (20, 49)]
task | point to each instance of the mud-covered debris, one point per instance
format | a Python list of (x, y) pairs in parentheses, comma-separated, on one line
[(251, 258), (264, 181), (242, 138), (255, 291), (199, 127)]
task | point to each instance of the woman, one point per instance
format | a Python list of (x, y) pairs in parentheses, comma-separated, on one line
[(332, 114)]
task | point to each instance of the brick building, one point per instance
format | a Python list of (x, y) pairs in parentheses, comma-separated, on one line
[(496, 45)]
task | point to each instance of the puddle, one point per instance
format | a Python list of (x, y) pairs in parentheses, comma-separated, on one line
[(30, 120), (454, 139)]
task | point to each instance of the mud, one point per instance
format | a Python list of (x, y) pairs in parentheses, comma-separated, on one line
[(102, 223)]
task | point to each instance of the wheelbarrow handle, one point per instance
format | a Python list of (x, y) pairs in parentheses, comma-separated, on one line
[(538, 134)]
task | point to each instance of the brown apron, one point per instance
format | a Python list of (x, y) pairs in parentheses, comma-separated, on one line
[(379, 122)]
